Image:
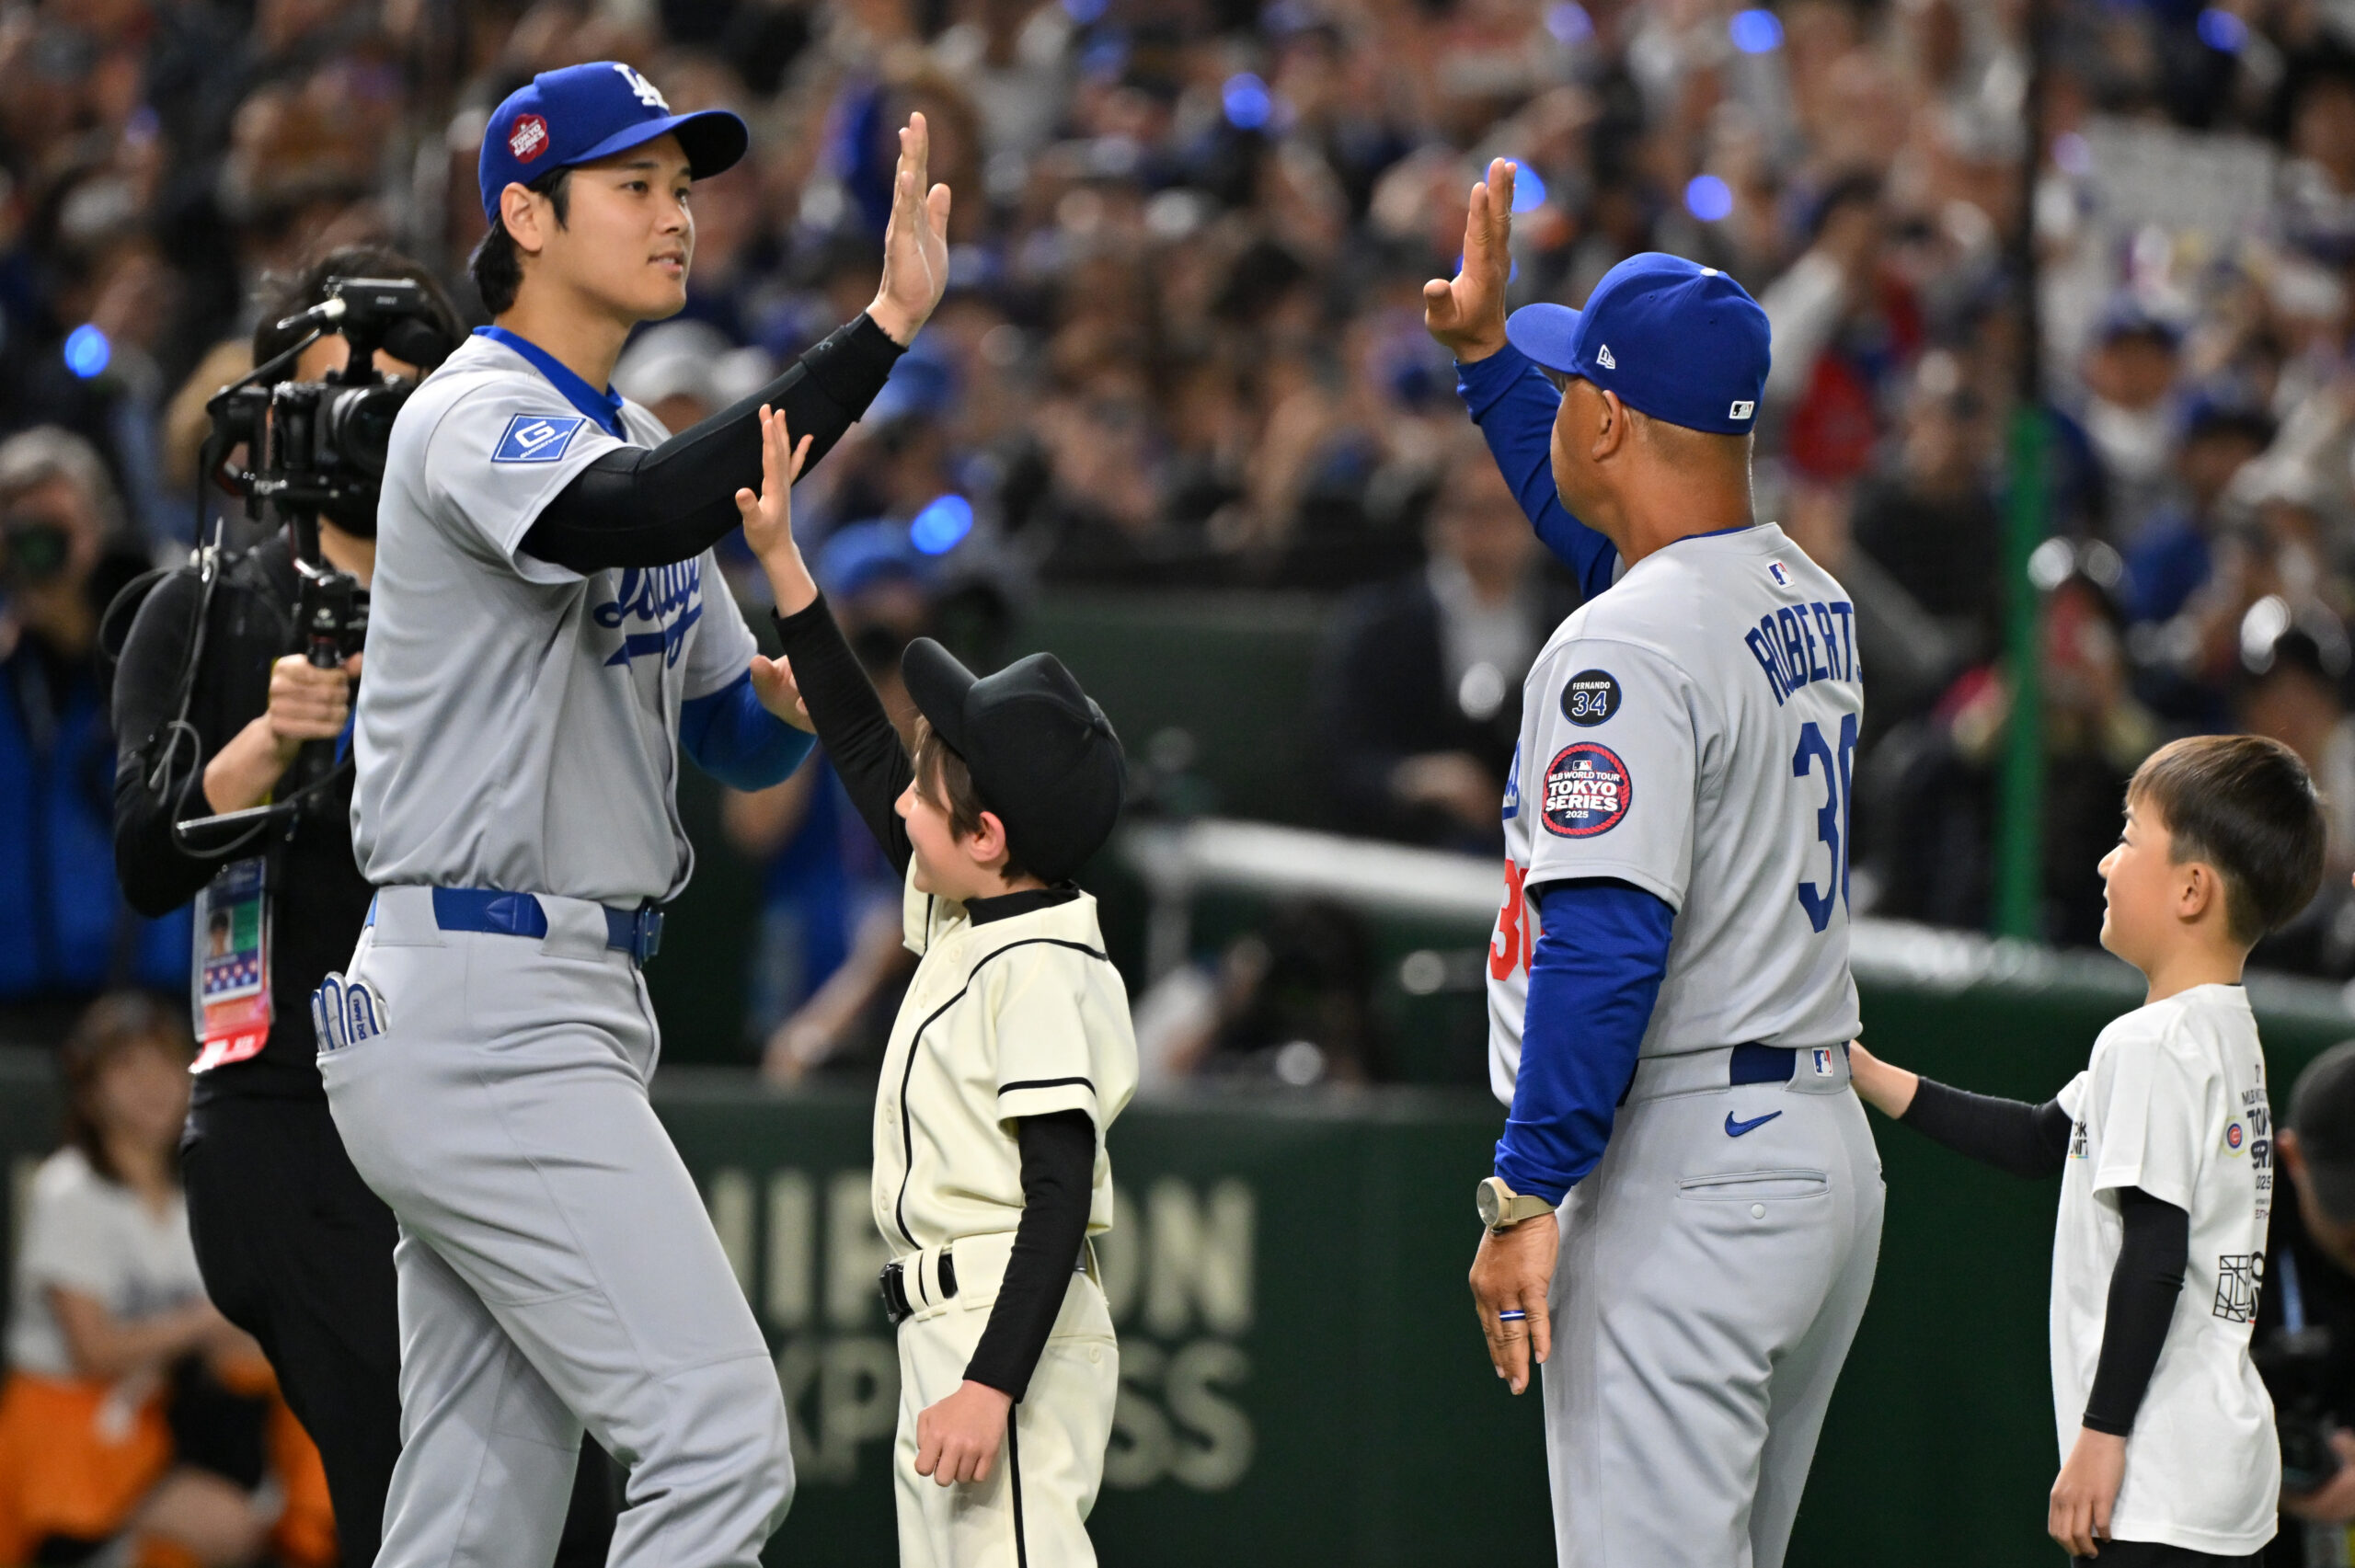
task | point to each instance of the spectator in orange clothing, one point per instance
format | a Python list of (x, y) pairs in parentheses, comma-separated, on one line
[(136, 1423)]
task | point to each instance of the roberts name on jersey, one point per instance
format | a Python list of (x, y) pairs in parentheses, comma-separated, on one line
[(1691, 732)]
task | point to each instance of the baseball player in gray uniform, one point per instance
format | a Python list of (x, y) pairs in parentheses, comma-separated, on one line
[(548, 632), (1686, 1205)]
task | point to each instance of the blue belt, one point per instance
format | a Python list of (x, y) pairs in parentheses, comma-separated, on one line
[(1764, 1064), (638, 932)]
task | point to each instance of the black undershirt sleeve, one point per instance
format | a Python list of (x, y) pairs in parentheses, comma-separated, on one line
[(851, 724), (1058, 1182), (2152, 1258), (157, 875), (2011, 1135), (650, 507)]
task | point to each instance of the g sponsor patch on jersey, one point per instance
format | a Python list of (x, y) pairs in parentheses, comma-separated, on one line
[(1588, 791), (536, 438), (1591, 697)]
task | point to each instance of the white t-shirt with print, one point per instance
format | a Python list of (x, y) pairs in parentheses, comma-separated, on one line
[(90, 1235), (2173, 1103)]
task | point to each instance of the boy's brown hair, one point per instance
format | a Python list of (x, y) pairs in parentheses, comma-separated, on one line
[(2246, 806), (942, 778)]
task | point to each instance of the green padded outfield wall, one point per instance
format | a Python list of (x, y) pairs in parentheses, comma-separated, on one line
[(1304, 1381)]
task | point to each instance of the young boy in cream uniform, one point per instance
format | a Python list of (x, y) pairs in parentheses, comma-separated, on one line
[(1011, 1056)]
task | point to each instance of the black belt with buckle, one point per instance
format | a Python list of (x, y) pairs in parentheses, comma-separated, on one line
[(893, 1282)]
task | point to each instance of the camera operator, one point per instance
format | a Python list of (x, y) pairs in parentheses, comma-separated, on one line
[(217, 710), (2305, 1320)]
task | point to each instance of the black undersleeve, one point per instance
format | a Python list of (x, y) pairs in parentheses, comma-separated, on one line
[(852, 724), (2011, 1135), (2142, 1289), (653, 506), (1058, 1182)]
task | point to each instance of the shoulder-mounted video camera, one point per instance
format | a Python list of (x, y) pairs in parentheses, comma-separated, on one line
[(317, 448)]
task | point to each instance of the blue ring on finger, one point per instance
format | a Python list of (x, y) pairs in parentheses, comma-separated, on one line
[(1511, 1315)]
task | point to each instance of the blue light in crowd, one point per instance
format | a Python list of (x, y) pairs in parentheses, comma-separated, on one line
[(1756, 32), (1528, 190), (87, 350), (1084, 11), (1246, 101), (1708, 198), (2222, 31), (1569, 22), (939, 527)]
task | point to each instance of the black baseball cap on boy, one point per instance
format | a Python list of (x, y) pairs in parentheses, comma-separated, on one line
[(1042, 755)]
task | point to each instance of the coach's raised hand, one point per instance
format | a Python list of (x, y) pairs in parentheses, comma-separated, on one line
[(1466, 312), (915, 241)]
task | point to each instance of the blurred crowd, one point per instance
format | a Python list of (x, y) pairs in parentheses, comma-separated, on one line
[(1183, 351)]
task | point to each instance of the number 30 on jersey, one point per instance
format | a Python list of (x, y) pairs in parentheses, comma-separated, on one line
[(1839, 766)]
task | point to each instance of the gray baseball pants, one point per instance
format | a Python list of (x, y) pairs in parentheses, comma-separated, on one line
[(1713, 1270), (556, 1266)]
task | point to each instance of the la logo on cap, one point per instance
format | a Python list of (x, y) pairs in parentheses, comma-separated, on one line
[(1603, 357), (528, 138), (648, 93)]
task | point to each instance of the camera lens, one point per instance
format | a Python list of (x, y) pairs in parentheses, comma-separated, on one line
[(357, 425)]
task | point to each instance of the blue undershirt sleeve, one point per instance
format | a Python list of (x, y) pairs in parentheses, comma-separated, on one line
[(1591, 987), (729, 736), (1514, 405)]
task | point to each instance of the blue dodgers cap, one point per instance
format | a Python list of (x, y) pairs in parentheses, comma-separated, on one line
[(1676, 340), (586, 112)]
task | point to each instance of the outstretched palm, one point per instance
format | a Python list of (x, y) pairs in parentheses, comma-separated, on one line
[(1466, 312), (915, 241)]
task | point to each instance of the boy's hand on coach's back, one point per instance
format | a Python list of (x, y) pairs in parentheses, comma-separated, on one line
[(957, 1438), (1889, 1090), (1466, 314)]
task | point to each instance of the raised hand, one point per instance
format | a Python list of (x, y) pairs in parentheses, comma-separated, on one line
[(1466, 314), (768, 519), (915, 241)]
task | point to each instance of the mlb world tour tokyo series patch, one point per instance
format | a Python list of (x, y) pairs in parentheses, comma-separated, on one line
[(1586, 791)]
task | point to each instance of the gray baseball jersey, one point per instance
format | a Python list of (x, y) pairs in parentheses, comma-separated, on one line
[(518, 724), (1693, 731)]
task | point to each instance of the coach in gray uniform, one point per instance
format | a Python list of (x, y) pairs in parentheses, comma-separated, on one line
[(549, 630)]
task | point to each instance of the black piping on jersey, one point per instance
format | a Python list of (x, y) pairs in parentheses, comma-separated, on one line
[(1089, 1083), (908, 1073), (1014, 1478)]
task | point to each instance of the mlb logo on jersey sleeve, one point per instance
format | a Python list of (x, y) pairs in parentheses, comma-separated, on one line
[(1588, 791), (1780, 573), (536, 438)]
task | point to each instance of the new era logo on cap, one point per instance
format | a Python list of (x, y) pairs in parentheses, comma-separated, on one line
[(1603, 357)]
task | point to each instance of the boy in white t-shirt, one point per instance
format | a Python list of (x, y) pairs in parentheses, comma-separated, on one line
[(2165, 1143)]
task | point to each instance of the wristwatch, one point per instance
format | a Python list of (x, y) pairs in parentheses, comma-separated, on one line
[(1501, 1208)]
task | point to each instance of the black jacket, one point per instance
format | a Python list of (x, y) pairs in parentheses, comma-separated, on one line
[(1383, 697), (320, 898)]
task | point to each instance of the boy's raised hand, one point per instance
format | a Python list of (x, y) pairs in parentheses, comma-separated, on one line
[(768, 531)]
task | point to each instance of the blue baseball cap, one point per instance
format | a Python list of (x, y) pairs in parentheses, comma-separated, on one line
[(1676, 340), (586, 112)]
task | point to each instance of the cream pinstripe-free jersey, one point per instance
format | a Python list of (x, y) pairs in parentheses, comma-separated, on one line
[(1022, 1016)]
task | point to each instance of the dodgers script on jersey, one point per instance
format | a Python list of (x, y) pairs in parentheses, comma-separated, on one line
[(1693, 731), (519, 722)]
